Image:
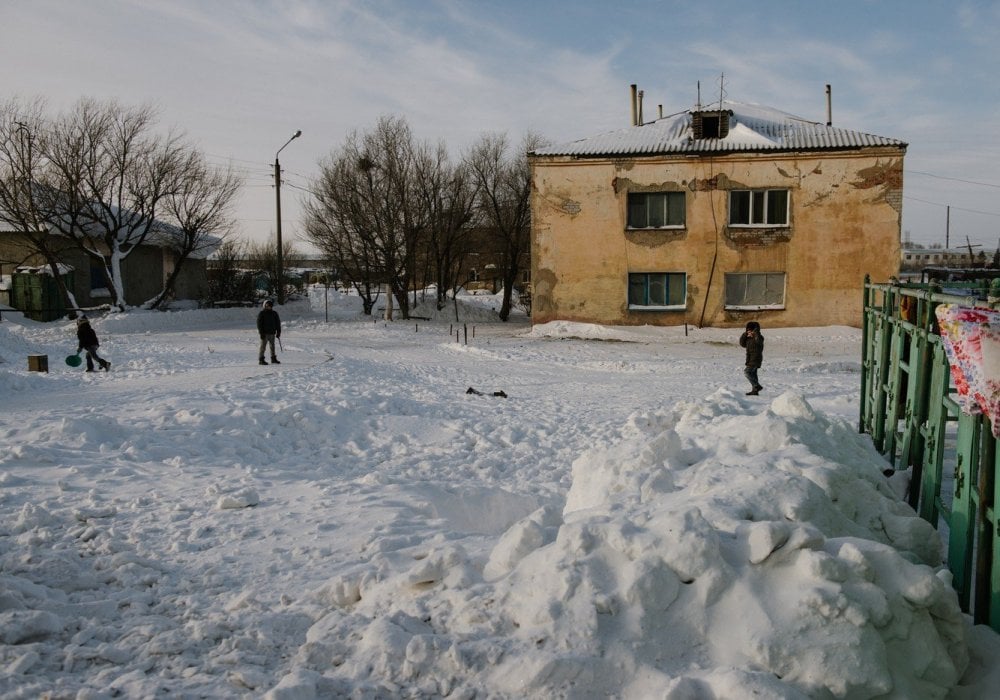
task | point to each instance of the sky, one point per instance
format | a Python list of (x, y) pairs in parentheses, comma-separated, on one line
[(623, 521), (241, 77)]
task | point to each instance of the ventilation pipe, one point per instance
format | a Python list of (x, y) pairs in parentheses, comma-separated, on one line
[(659, 111), (829, 106), (639, 123), (635, 105)]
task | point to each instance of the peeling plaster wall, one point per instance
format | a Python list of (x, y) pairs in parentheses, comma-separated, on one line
[(845, 221)]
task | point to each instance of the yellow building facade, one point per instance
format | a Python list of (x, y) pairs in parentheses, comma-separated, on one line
[(714, 218)]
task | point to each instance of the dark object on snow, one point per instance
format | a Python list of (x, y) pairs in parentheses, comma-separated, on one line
[(87, 340), (470, 390), (269, 328)]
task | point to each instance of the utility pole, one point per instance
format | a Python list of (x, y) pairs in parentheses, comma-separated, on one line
[(947, 226), (277, 201)]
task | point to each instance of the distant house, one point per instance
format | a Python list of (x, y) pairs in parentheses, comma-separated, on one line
[(915, 259), (714, 216), (144, 270)]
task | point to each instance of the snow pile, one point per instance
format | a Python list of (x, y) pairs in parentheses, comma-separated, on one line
[(715, 552)]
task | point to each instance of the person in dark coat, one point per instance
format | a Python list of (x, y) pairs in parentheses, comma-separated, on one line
[(753, 341), (269, 328), (87, 340)]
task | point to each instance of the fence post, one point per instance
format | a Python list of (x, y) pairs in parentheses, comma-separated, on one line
[(963, 520), (991, 461), (933, 433), (865, 330), (986, 524)]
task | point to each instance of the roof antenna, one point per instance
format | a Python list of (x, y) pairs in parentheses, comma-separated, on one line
[(722, 89)]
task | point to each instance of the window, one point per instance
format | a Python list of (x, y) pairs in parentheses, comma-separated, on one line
[(655, 209), (710, 125), (657, 290), (758, 208), (755, 290)]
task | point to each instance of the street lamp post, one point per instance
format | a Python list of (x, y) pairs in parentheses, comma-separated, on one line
[(277, 201)]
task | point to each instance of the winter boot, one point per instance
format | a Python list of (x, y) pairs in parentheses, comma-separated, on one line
[(105, 365), (755, 392), (274, 361), (261, 361)]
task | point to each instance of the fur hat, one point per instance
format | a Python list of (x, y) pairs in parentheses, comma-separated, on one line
[(268, 304), (82, 320), (753, 326)]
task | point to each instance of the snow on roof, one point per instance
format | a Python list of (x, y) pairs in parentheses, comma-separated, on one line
[(44, 269), (752, 128), (161, 235), (166, 235)]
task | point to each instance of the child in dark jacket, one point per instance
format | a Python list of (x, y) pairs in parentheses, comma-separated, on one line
[(87, 340), (753, 341)]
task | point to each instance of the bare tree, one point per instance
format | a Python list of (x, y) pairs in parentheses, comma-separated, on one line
[(367, 213), (263, 257), (199, 213), (22, 166), (108, 177), (349, 253), (449, 195), (228, 278), (504, 188)]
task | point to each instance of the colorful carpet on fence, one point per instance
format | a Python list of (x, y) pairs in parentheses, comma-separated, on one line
[(971, 339)]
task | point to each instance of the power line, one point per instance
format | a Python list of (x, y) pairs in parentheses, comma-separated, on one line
[(304, 189), (938, 204), (953, 179), (240, 160)]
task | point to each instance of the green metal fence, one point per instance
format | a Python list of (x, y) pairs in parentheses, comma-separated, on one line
[(908, 408)]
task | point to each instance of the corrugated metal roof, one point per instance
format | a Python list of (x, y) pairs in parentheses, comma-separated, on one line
[(752, 129)]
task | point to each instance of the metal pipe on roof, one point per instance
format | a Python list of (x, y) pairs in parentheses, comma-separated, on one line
[(829, 106), (635, 105)]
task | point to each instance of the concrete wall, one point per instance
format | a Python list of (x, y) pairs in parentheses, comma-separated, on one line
[(845, 221)]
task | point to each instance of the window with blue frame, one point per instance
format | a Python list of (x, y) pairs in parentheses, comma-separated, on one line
[(657, 290)]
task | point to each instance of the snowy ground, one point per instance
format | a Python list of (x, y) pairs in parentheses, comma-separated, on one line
[(352, 523)]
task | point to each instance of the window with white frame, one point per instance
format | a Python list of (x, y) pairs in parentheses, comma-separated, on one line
[(758, 208), (657, 290), (755, 290), (656, 210)]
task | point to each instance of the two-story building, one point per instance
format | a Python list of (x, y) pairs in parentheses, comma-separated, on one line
[(715, 216)]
